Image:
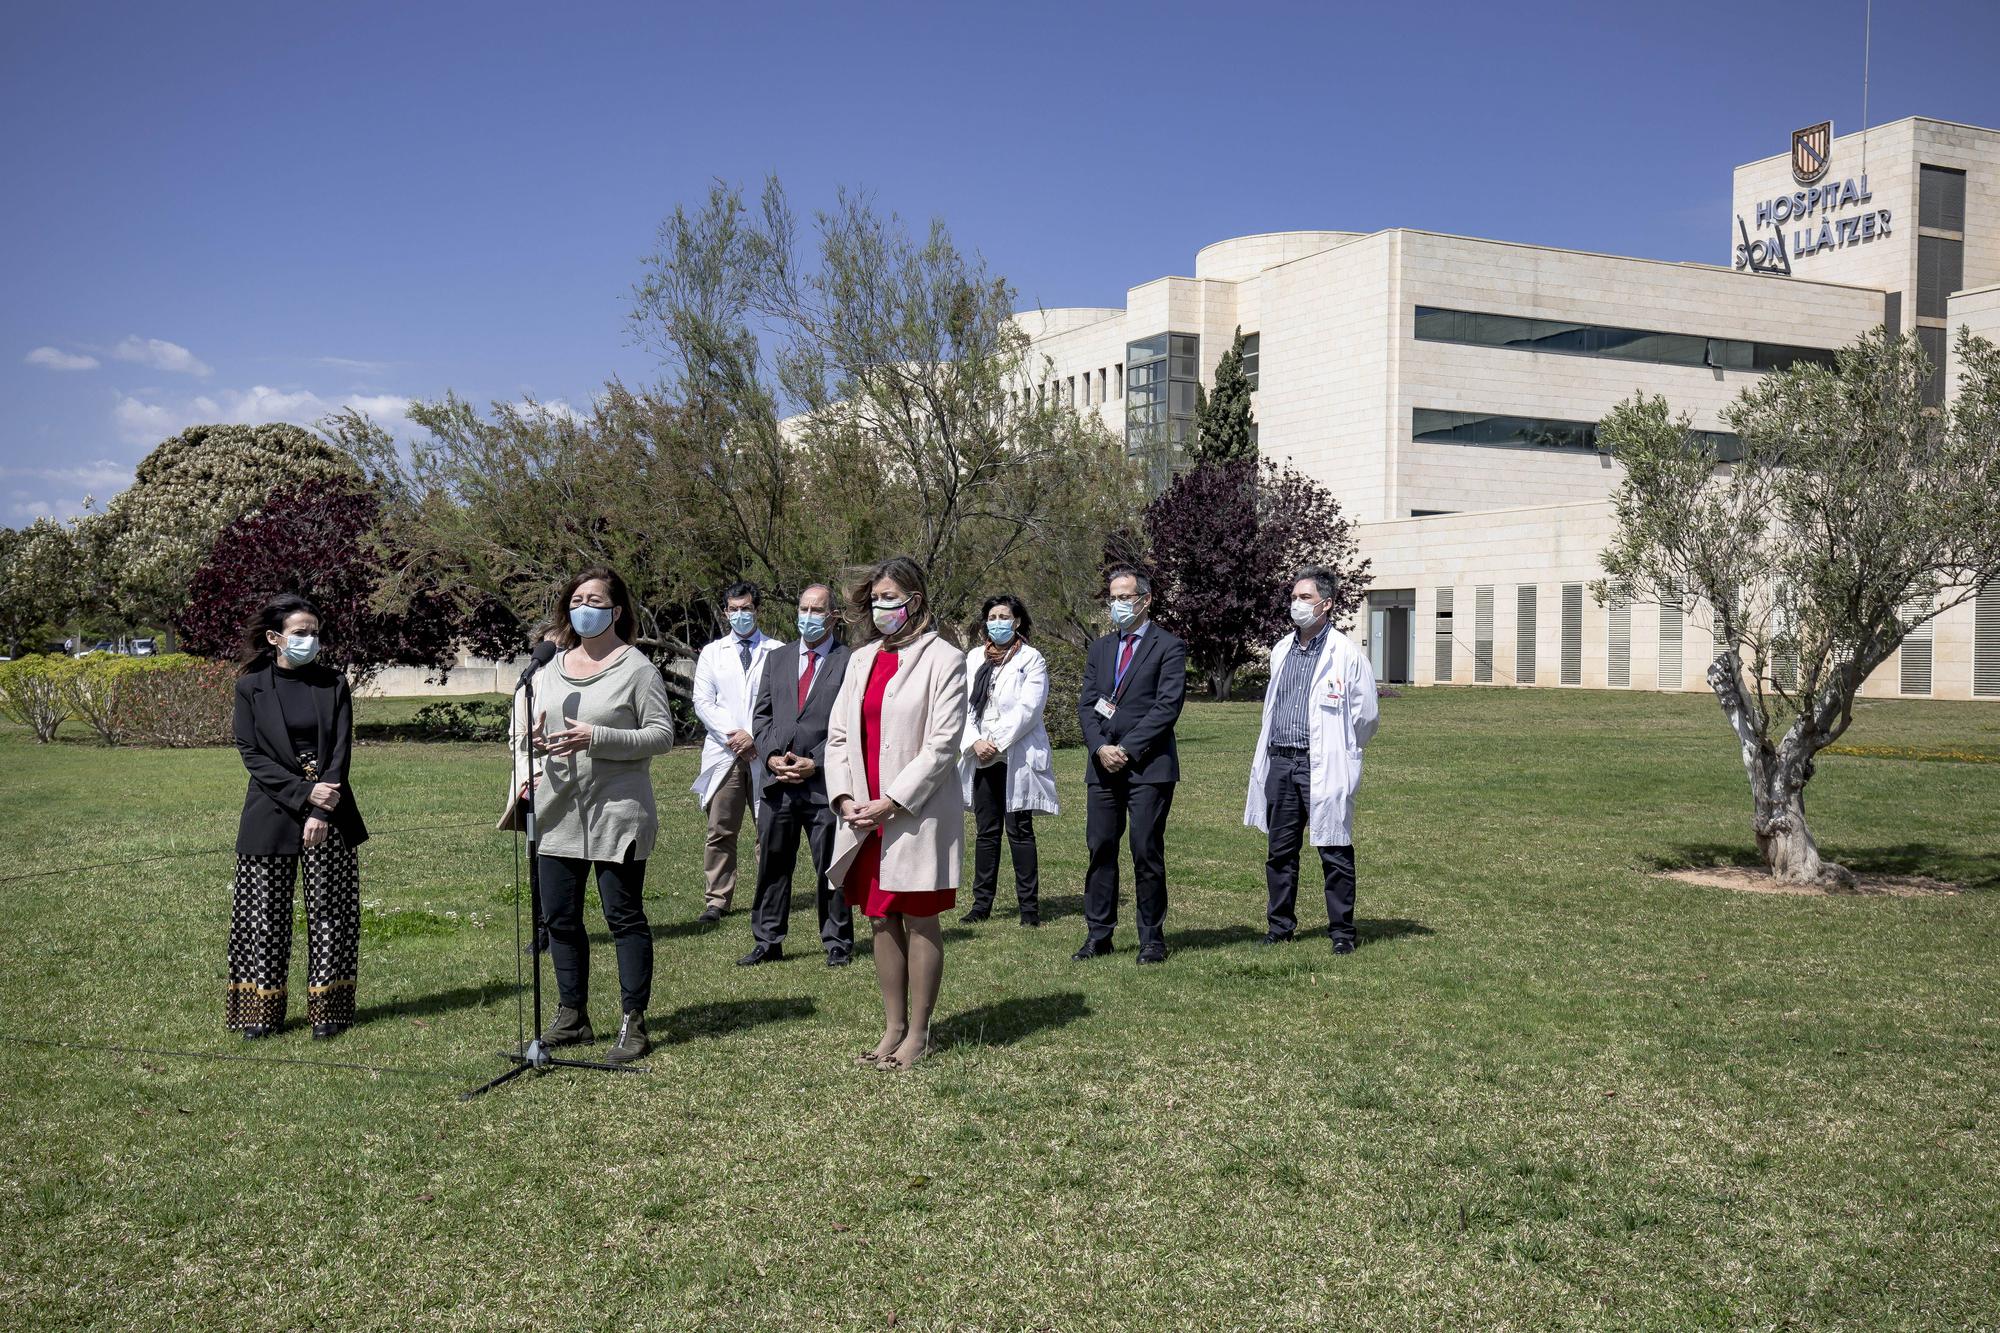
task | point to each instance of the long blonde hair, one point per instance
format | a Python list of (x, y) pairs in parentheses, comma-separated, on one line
[(906, 574)]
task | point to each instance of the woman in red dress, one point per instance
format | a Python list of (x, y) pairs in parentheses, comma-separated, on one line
[(892, 750)]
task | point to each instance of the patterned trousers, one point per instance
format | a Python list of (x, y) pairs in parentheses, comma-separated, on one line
[(260, 935)]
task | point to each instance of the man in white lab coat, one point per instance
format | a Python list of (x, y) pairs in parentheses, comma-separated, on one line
[(1319, 711), (726, 678)]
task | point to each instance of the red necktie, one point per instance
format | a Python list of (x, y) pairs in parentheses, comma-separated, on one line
[(806, 681), (1125, 658)]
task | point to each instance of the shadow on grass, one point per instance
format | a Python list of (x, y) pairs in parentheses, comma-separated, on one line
[(1005, 1022), (719, 1018), (1212, 937), (1908, 858), (459, 997), (1381, 930)]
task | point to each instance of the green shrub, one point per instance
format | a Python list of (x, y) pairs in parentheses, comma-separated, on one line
[(178, 702), (34, 691), (96, 690), (453, 720), (1065, 684)]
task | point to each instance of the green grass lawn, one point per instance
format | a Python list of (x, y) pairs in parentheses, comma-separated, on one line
[(1550, 1091)]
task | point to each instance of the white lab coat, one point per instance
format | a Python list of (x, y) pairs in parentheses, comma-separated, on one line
[(1014, 723), (1341, 713), (724, 695)]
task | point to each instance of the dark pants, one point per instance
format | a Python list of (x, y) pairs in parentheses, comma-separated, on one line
[(787, 812), (1287, 812), (621, 888), (1114, 800), (989, 816)]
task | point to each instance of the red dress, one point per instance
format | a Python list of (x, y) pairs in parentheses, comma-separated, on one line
[(864, 877)]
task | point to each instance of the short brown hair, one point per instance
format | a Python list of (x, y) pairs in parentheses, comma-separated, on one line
[(625, 623)]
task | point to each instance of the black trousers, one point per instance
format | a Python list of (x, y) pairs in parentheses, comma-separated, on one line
[(1113, 802), (1288, 815), (989, 816), (785, 814), (621, 888)]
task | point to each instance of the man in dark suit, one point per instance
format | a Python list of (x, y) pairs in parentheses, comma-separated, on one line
[(1133, 685), (801, 680)]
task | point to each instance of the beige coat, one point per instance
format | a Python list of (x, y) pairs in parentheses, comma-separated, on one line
[(923, 716)]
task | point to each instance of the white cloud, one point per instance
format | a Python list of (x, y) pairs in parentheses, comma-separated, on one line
[(25, 514), (161, 355), (56, 359), (359, 367), (148, 423), (61, 492)]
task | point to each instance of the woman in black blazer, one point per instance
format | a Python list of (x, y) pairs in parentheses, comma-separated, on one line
[(295, 728)]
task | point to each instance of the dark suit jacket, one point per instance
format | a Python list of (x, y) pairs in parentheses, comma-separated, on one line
[(779, 724), (1149, 703), (278, 802)]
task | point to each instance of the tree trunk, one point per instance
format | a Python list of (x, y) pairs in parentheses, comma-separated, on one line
[(1219, 683), (1778, 778)]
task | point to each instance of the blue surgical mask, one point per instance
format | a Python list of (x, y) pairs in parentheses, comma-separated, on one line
[(301, 648), (590, 621), (743, 622), (1124, 612), (1000, 631), (812, 625)]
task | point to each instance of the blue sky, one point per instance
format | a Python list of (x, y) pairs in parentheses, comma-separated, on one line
[(258, 211)]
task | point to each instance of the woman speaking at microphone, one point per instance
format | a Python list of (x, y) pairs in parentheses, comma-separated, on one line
[(891, 776), (601, 716), (295, 729)]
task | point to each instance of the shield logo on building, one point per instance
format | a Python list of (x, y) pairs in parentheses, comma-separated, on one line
[(1812, 150)]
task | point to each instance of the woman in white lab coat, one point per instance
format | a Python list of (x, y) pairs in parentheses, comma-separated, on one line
[(1006, 769)]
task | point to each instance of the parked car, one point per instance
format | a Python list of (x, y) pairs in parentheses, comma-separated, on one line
[(101, 646), (144, 647)]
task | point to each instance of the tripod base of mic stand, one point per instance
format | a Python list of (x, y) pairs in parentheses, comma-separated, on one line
[(535, 1058)]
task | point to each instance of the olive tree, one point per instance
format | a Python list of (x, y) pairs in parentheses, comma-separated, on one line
[(1856, 513)]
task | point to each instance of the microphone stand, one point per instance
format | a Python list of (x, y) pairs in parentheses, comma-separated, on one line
[(532, 1056)]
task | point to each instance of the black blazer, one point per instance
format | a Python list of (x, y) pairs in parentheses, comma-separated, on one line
[(779, 724), (278, 801), (1149, 703)]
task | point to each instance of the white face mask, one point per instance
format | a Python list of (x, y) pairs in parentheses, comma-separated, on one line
[(1304, 611), (300, 649)]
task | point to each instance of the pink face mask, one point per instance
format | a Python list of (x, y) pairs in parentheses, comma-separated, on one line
[(891, 617)]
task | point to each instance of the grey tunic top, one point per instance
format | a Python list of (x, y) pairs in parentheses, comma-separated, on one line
[(598, 804)]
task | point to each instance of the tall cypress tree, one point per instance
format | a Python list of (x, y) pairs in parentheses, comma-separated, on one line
[(1223, 424)]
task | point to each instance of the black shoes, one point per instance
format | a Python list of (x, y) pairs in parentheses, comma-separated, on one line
[(1031, 920), (1091, 949), (838, 957), (975, 916), (1273, 937), (1343, 946), (762, 953), (1153, 953), (259, 1032), (631, 1043), (709, 916), (328, 1031)]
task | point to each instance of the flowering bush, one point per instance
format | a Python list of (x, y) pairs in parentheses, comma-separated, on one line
[(34, 691), (95, 692), (178, 701)]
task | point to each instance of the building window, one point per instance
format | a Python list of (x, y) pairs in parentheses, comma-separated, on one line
[(1100, 386), (1932, 341), (1941, 198), (1442, 669), (1618, 640), (1671, 626), (1160, 387), (1429, 425), (1604, 340), (1986, 642), (1482, 634), (1431, 513), (1251, 344), (1524, 634), (1940, 272), (1086, 388), (1118, 378), (1572, 634), (1916, 650)]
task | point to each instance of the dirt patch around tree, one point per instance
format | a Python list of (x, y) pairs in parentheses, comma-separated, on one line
[(1745, 880)]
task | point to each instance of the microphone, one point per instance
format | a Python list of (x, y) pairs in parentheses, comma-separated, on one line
[(544, 653)]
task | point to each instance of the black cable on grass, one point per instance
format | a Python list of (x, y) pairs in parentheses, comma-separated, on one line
[(218, 851), (102, 1048)]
